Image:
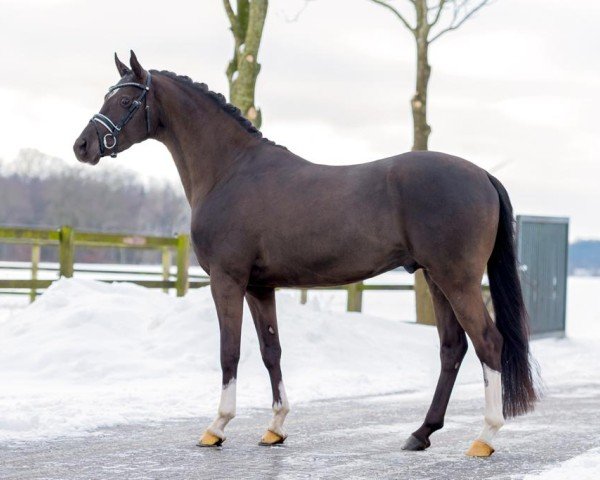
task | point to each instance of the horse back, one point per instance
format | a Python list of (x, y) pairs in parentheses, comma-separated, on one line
[(285, 221)]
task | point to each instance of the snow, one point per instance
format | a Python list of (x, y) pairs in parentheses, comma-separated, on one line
[(88, 354), (583, 307), (396, 305), (582, 467)]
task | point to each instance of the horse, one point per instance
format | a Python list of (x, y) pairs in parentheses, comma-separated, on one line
[(264, 218)]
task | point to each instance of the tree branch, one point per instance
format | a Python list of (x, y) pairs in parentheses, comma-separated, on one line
[(294, 18), (440, 8), (231, 15), (454, 24), (395, 12)]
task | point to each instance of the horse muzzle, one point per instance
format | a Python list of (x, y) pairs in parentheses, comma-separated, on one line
[(86, 147)]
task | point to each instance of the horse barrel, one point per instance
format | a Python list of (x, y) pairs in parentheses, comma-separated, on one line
[(542, 245)]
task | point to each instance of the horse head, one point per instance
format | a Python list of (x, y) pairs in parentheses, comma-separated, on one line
[(124, 119)]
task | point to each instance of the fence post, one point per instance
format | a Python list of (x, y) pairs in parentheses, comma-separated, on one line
[(183, 263), (303, 296), (35, 260), (424, 303), (354, 297), (66, 251), (166, 266)]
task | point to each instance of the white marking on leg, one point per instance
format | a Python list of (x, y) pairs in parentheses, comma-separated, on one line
[(280, 410), (226, 410), (493, 417)]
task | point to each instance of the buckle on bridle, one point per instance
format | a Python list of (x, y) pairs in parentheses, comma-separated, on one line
[(105, 141)]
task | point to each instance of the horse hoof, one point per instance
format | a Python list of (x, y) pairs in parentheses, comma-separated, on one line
[(271, 438), (479, 449), (413, 444), (210, 440)]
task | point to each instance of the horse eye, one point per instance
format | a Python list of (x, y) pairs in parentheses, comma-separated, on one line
[(125, 101)]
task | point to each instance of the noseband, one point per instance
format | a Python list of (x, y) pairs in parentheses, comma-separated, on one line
[(110, 140)]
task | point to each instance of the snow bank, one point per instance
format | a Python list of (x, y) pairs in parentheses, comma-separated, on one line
[(88, 354), (582, 467), (583, 307)]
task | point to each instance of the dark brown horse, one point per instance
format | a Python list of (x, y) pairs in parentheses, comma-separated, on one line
[(264, 218)]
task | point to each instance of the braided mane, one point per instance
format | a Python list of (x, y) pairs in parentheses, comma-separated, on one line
[(221, 101)]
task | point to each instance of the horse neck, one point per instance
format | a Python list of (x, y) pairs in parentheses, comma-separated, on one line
[(204, 141)]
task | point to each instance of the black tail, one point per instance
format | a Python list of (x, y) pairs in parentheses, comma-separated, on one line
[(519, 393)]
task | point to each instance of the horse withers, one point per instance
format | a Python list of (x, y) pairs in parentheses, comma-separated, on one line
[(263, 217)]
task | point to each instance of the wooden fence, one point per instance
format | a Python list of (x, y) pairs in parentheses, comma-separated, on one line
[(355, 292), (66, 239)]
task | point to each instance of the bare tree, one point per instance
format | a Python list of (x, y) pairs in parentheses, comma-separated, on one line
[(428, 20), (247, 23)]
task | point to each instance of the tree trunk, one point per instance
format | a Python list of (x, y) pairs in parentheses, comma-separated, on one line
[(246, 26), (421, 131), (418, 102)]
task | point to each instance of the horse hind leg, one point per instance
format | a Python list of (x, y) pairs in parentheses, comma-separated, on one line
[(453, 347), (493, 417), (467, 303)]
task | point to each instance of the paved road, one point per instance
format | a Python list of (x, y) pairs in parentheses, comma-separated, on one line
[(346, 439)]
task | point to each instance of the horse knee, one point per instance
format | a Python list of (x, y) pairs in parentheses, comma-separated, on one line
[(271, 356)]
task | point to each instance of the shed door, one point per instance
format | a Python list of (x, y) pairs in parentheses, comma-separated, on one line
[(542, 252)]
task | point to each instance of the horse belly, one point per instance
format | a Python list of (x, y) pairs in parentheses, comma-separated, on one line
[(325, 262)]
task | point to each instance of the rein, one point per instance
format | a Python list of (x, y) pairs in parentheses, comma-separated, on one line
[(110, 140)]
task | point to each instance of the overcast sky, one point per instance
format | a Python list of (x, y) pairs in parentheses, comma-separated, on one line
[(518, 85)]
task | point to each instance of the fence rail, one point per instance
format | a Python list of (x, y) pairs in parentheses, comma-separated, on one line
[(66, 240)]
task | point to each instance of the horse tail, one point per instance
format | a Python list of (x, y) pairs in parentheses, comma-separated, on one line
[(519, 393)]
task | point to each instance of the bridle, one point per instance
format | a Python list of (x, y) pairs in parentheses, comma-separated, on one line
[(109, 140)]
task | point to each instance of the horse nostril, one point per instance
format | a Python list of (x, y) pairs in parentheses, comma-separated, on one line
[(81, 145)]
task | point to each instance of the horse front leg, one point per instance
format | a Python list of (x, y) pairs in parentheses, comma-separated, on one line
[(262, 305), (228, 295)]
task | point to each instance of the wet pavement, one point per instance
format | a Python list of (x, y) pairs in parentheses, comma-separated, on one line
[(346, 439)]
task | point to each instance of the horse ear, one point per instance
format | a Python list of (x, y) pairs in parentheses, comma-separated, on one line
[(136, 67), (121, 67)]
